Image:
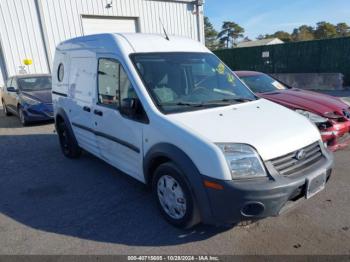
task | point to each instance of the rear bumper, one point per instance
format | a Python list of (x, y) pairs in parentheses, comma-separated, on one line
[(260, 198)]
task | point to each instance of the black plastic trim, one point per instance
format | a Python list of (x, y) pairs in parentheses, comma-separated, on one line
[(59, 94), (109, 137)]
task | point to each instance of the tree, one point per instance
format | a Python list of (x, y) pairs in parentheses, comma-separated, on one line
[(230, 33), (210, 35), (343, 29), (284, 36), (303, 33), (325, 30)]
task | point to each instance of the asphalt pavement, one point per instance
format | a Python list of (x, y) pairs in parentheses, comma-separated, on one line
[(53, 205)]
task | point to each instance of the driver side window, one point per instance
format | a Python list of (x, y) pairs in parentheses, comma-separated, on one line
[(108, 82)]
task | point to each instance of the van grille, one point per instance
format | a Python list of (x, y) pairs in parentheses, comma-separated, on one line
[(290, 164)]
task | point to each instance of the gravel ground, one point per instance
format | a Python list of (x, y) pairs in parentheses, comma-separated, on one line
[(52, 205)]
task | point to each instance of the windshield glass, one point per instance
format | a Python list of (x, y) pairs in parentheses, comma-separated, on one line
[(189, 81), (35, 83), (262, 83)]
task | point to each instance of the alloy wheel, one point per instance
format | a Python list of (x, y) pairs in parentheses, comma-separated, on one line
[(21, 116)]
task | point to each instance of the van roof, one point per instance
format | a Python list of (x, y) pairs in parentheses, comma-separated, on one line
[(133, 43)]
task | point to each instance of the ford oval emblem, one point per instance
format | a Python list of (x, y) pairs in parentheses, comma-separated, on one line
[(300, 155)]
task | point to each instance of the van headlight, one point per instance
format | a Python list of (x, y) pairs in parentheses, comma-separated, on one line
[(243, 161), (312, 117)]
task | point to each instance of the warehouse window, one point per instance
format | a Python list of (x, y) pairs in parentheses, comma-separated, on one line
[(60, 72)]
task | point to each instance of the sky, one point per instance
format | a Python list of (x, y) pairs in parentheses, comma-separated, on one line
[(268, 16)]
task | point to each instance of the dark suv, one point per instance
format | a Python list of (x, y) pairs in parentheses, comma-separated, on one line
[(28, 97)]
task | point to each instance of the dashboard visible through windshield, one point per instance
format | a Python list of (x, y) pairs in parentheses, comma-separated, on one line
[(181, 82)]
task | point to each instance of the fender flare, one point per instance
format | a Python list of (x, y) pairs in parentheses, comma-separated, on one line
[(192, 175)]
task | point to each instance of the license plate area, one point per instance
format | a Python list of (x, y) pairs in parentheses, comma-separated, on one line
[(315, 184)]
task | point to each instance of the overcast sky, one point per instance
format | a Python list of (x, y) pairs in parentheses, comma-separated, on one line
[(269, 16)]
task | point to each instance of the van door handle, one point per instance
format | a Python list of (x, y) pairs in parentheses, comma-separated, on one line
[(98, 112), (87, 109)]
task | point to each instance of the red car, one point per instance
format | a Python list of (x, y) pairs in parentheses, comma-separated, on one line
[(330, 114)]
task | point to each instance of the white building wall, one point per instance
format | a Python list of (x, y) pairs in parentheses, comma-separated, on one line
[(20, 36), (62, 19)]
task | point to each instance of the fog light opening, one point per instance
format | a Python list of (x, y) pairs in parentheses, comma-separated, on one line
[(253, 209)]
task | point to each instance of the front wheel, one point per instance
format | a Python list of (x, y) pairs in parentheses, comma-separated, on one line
[(174, 196), (22, 117)]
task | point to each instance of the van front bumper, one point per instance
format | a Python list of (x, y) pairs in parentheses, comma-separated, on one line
[(260, 198)]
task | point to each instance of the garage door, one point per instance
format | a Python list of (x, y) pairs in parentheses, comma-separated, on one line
[(97, 25)]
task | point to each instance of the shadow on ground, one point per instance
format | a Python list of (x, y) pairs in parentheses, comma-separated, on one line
[(84, 198)]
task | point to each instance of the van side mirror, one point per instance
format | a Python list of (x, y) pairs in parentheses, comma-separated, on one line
[(11, 89), (130, 107)]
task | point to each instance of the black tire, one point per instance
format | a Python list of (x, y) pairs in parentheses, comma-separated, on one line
[(22, 117), (68, 143), (191, 217), (6, 112)]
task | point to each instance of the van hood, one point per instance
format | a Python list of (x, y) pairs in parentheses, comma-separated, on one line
[(271, 129)]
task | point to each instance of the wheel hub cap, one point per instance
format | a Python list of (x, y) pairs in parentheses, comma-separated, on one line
[(171, 197)]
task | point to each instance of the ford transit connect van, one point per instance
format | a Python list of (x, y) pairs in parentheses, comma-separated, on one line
[(170, 114)]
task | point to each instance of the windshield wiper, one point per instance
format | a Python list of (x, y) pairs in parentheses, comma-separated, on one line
[(183, 104), (228, 101), (221, 102)]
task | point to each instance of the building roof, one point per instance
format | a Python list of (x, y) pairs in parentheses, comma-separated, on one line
[(262, 42)]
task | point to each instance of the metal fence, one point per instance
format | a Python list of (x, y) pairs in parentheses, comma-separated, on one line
[(319, 56)]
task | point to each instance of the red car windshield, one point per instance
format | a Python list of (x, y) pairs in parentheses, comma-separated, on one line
[(262, 83)]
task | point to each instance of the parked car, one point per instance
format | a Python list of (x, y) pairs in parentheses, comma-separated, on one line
[(170, 114), (29, 97), (330, 114)]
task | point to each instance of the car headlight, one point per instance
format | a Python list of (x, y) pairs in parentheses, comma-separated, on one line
[(243, 161), (30, 101), (312, 117)]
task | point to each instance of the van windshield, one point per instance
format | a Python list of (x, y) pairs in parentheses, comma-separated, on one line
[(181, 82)]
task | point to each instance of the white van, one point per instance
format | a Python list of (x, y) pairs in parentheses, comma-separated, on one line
[(170, 114)]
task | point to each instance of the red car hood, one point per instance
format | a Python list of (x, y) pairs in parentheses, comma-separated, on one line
[(306, 100)]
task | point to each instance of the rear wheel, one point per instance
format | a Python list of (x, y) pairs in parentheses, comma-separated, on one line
[(174, 197), (69, 146), (6, 112)]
